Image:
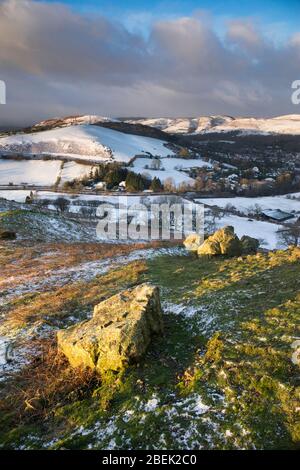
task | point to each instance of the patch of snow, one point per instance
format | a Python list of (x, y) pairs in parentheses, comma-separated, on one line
[(289, 124), (287, 202), (84, 142), (36, 172)]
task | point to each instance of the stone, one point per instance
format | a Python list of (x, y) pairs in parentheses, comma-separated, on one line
[(192, 242), (119, 332), (209, 248), (223, 242), (249, 245)]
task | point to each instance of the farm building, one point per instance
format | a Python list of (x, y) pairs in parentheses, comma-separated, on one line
[(277, 214)]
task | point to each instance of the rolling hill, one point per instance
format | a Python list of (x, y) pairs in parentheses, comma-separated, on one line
[(289, 125)]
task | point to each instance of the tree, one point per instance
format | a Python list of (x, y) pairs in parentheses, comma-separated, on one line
[(155, 163), (290, 234), (114, 176), (199, 183), (184, 152), (255, 210), (156, 185), (169, 185), (135, 182), (61, 204)]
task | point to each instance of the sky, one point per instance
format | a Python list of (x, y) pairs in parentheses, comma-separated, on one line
[(147, 58)]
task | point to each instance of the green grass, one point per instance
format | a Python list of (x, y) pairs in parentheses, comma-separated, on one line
[(228, 349)]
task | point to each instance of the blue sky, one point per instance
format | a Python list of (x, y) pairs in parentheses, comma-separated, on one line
[(282, 16)]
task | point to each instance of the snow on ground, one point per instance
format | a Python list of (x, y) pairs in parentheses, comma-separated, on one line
[(243, 204), (265, 231), (18, 195), (85, 142), (177, 177), (40, 172), (73, 120), (81, 272), (73, 170), (169, 168), (3, 346), (289, 124), (37, 172)]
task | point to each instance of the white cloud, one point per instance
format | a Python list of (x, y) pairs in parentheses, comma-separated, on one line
[(55, 62)]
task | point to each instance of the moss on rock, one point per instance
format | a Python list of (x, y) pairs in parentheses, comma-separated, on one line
[(223, 242), (119, 332)]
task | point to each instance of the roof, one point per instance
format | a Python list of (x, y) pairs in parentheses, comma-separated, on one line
[(277, 214)]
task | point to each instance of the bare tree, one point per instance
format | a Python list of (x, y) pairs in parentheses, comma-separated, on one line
[(61, 204), (290, 234), (255, 210), (155, 164)]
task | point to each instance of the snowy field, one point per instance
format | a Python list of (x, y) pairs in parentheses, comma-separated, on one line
[(243, 204), (19, 195), (266, 232), (40, 172), (37, 172), (73, 170), (169, 168), (84, 142)]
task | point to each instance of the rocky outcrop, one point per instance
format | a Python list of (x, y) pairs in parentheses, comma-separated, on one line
[(192, 242), (249, 245), (119, 332), (223, 242)]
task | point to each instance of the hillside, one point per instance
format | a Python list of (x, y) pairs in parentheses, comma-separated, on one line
[(221, 377), (289, 125), (83, 142)]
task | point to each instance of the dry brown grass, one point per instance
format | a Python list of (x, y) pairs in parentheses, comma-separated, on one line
[(46, 383), (73, 299), (19, 262)]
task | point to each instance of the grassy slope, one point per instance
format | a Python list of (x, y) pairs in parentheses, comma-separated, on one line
[(42, 225), (222, 376)]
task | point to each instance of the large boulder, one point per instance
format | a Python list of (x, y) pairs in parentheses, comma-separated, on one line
[(192, 242), (249, 245), (222, 242), (119, 332), (209, 248), (225, 242)]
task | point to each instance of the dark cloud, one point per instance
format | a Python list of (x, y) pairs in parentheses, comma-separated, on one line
[(57, 62)]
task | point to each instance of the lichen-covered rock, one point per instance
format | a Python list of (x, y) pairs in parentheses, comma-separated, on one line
[(226, 242), (209, 248), (249, 245), (192, 242), (222, 242), (118, 333)]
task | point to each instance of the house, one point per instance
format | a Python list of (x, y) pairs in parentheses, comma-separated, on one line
[(276, 214), (101, 186)]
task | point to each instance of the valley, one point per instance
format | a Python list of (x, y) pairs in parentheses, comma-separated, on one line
[(221, 374)]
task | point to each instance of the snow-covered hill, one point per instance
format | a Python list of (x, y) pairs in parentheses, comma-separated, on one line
[(289, 124), (70, 121), (86, 142)]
